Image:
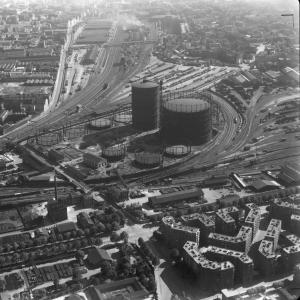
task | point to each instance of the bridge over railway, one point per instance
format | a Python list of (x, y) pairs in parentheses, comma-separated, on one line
[(108, 45)]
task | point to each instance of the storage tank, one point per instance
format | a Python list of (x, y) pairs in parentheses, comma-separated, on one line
[(186, 119), (177, 150), (115, 152), (123, 118), (100, 124), (148, 159), (145, 105)]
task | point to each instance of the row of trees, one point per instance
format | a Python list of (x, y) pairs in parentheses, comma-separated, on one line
[(48, 251), (147, 251)]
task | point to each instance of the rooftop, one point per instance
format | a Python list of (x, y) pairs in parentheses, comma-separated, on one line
[(169, 221), (192, 250), (274, 228), (253, 215), (266, 249), (203, 218), (226, 252)]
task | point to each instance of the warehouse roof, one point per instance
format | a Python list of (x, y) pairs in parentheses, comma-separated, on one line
[(180, 195), (259, 185)]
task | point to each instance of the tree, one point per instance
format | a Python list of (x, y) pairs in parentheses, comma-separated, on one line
[(56, 283), (79, 255), (98, 241), (100, 227), (60, 237), (52, 238), (77, 276), (84, 243), (151, 284), (80, 232), (62, 247), (24, 256), (115, 225), (73, 233), (2, 260), (141, 241), (22, 245), (2, 285), (9, 247), (114, 237), (77, 244), (16, 257), (108, 227), (67, 235), (124, 236), (87, 231), (155, 261)]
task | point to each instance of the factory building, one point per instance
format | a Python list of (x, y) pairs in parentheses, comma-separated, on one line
[(57, 211), (290, 174), (202, 221), (145, 105), (186, 121), (252, 219), (94, 161), (211, 274), (118, 193), (193, 194), (177, 234), (226, 220), (243, 264)]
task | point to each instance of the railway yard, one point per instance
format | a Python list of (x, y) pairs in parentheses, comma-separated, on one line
[(144, 167)]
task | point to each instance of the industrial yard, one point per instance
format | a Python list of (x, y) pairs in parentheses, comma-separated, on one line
[(149, 150)]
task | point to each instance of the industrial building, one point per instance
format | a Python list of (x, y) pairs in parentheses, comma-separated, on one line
[(148, 159), (290, 174), (57, 211), (193, 194), (177, 234), (94, 161), (145, 105), (186, 121)]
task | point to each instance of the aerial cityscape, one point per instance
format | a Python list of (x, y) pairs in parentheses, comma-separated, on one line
[(149, 150)]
